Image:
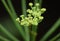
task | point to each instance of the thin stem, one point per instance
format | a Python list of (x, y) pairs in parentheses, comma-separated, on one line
[(14, 19), (40, 2), (24, 7), (27, 33), (54, 38), (35, 1), (34, 28), (3, 38), (53, 28), (11, 7), (8, 33)]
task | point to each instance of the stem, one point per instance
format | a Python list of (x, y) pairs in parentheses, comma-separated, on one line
[(54, 38), (27, 33), (8, 33), (3, 38), (35, 1), (11, 8), (34, 33), (53, 28), (14, 19), (24, 7), (40, 2)]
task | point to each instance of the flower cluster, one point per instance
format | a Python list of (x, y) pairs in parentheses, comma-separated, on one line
[(33, 17)]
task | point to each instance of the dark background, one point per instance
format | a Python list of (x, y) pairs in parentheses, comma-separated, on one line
[(50, 16)]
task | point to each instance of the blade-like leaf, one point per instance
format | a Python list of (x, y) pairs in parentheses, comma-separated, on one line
[(8, 33), (3, 38), (53, 28), (54, 38), (13, 18)]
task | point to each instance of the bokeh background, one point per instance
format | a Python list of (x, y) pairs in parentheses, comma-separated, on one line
[(50, 17)]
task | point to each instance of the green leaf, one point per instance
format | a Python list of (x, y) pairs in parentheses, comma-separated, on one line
[(8, 33), (54, 38), (13, 16), (53, 29), (3, 38)]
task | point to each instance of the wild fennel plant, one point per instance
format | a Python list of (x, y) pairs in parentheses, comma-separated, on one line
[(27, 23)]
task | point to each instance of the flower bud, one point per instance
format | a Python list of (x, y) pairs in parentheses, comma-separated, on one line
[(41, 17), (22, 16), (18, 19), (30, 4), (29, 11), (37, 4), (43, 9)]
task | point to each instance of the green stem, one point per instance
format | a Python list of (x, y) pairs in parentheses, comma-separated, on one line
[(24, 7), (53, 28), (35, 1), (54, 38), (11, 8), (40, 2), (27, 33), (8, 33), (14, 19), (3, 38), (34, 33)]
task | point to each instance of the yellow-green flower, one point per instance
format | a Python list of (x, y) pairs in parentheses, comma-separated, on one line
[(30, 4), (33, 17)]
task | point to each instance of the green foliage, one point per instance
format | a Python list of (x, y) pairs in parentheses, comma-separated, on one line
[(27, 24)]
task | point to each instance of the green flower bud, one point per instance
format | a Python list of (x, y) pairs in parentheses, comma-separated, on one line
[(41, 17), (33, 8), (29, 11), (30, 21), (26, 23), (43, 9), (29, 15), (22, 23), (18, 19), (31, 4), (30, 18), (26, 18), (37, 4), (22, 16), (35, 23)]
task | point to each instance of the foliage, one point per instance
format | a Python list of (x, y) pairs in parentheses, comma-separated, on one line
[(27, 23)]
